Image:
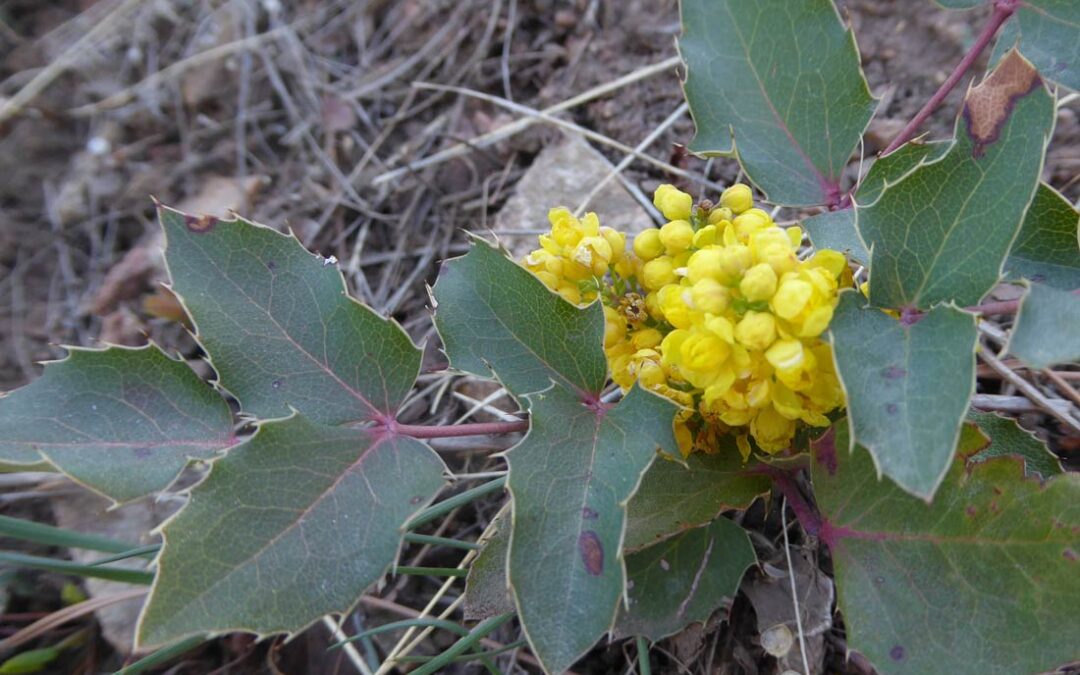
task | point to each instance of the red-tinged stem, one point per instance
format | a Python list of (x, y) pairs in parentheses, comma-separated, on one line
[(1003, 9), (784, 481), (454, 430)]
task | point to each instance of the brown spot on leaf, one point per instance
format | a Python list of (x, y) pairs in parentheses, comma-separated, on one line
[(416, 500), (200, 224), (897, 653), (892, 408), (589, 514), (989, 105), (1069, 555), (592, 552), (971, 511)]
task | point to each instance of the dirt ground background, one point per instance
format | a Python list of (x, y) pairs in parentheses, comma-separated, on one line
[(305, 115)]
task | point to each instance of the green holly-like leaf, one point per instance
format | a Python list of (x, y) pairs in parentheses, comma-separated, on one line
[(499, 319), (890, 169), (684, 580), (783, 79), (1047, 250), (942, 232), (836, 229), (1003, 437), (1047, 329), (582, 459), (907, 385), (674, 498), (487, 591), (121, 421), (982, 581), (570, 479), (1048, 33), (290, 526), (280, 328)]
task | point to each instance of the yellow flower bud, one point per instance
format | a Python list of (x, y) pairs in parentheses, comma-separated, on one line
[(616, 240), (570, 293), (593, 253), (787, 402), (786, 355), (791, 297), (722, 328), (650, 374), (565, 229), (626, 267), (673, 303), (719, 215), (739, 197), (590, 225), (756, 330), (652, 306), (758, 395), (647, 244), (816, 321), (759, 282), (673, 202), (704, 264), (646, 338), (829, 260), (614, 327), (710, 296), (670, 348), (771, 430), (735, 260), (706, 236), (677, 236), (658, 273), (794, 235), (549, 279), (750, 222)]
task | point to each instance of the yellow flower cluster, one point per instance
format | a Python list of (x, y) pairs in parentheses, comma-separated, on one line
[(576, 254), (714, 310)]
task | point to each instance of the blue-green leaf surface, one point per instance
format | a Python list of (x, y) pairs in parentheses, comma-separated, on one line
[(779, 83)]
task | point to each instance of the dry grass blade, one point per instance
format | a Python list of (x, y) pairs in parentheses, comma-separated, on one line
[(520, 125), (70, 613), (108, 24), (1029, 390), (575, 128)]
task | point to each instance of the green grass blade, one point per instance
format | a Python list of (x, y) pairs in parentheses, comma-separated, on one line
[(76, 569), (147, 551), (464, 644), (518, 644), (436, 511), (400, 625), (39, 533), (163, 655), (644, 667), (414, 538)]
